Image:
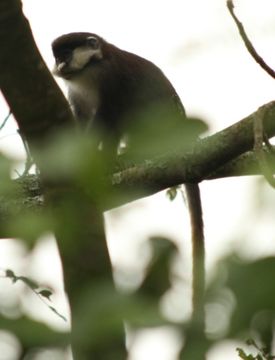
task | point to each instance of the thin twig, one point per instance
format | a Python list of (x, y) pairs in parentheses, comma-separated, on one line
[(34, 287), (5, 121), (29, 161), (259, 136), (247, 42)]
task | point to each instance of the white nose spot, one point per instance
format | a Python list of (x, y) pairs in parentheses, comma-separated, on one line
[(61, 66)]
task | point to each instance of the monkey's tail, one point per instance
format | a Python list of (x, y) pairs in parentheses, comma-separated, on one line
[(198, 252)]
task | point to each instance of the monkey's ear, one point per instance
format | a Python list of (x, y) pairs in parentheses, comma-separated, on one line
[(93, 42)]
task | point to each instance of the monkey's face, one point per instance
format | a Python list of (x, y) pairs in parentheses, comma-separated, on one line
[(73, 52)]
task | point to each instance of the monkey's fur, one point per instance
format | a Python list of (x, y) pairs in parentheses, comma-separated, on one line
[(119, 95)]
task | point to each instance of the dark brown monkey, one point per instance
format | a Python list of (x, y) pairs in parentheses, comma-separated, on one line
[(116, 94)]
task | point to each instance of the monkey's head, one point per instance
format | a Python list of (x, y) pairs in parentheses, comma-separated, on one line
[(75, 51)]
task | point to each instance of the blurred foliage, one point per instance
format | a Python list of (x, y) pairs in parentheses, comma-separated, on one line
[(33, 334), (158, 275), (29, 226), (244, 292), (250, 284), (262, 352), (156, 131)]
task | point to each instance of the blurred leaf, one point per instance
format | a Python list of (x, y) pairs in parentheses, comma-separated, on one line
[(30, 225), (32, 333), (199, 125), (254, 289), (10, 274), (157, 279), (74, 159), (101, 310), (161, 130), (68, 155)]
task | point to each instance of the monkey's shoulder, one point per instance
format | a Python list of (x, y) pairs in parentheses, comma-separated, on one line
[(139, 80)]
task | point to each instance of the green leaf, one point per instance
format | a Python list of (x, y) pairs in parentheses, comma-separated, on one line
[(242, 354), (252, 285), (172, 192), (45, 293), (10, 274)]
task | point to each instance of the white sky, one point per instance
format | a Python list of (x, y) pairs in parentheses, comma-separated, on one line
[(198, 47)]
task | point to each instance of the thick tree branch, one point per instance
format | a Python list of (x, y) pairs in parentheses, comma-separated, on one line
[(147, 179), (208, 156), (245, 165)]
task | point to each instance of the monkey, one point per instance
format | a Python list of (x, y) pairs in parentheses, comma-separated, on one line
[(116, 93)]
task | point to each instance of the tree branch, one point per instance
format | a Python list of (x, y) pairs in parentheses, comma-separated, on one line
[(248, 44), (218, 156), (207, 157)]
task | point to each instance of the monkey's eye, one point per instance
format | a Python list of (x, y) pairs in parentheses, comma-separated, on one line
[(93, 42)]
